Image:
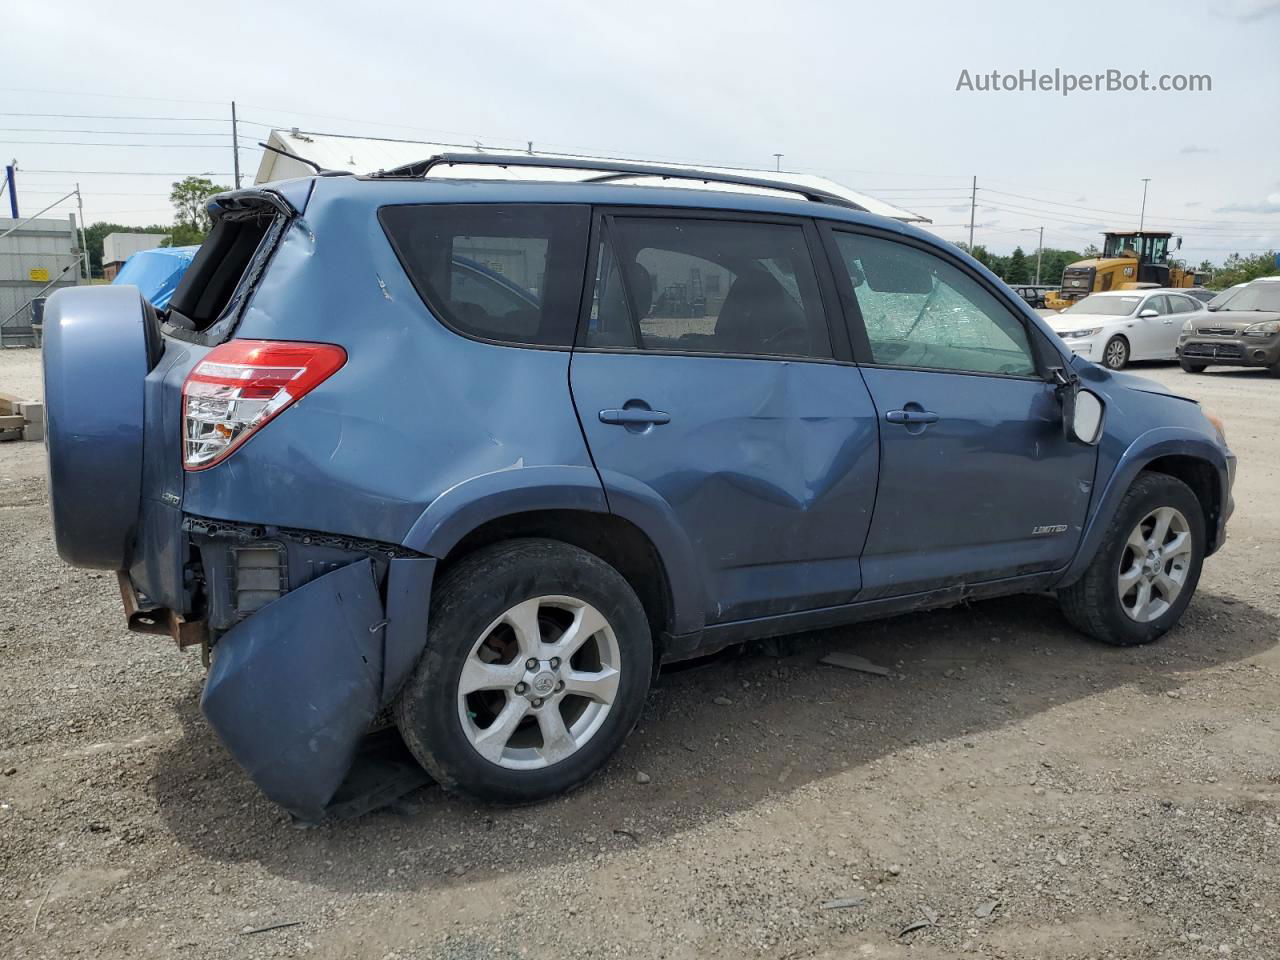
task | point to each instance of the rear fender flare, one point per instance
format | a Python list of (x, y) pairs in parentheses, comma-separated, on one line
[(472, 503), (1146, 448)]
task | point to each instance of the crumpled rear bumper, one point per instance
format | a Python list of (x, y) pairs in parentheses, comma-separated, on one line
[(293, 688)]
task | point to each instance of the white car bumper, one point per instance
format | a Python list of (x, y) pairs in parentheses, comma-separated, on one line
[(1089, 347)]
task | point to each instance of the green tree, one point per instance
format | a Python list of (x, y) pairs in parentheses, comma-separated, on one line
[(183, 235), (979, 253), (1054, 262), (1241, 269), (1016, 272), (1092, 251), (189, 197)]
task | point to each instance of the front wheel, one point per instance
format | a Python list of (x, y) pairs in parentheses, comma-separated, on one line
[(536, 667), (1115, 355), (1146, 568), (1190, 367)]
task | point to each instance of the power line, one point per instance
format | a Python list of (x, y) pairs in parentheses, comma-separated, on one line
[(1061, 217), (152, 146), (104, 116), (130, 173), (119, 133), (108, 96), (1122, 213)]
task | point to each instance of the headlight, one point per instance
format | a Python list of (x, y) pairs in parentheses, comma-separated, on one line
[(1188, 327), (1264, 329), (1080, 334)]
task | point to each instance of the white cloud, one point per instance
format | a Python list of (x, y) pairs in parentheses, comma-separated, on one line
[(1269, 204)]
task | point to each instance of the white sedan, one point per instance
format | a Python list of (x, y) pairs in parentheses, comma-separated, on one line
[(1121, 325)]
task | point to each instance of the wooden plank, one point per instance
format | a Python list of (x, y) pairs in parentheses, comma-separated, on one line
[(13, 422)]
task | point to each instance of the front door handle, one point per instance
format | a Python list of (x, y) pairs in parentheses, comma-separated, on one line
[(911, 416), (634, 416)]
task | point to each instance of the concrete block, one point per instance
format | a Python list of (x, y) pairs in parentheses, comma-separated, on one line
[(34, 430), (32, 411)]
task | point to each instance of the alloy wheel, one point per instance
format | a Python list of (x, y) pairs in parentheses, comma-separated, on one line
[(1154, 564), (539, 682), (1117, 354)]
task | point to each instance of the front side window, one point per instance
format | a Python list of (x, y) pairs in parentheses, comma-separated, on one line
[(706, 286), (921, 311), (511, 273), (1157, 304)]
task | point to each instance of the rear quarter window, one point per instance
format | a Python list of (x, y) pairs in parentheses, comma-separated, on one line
[(510, 273)]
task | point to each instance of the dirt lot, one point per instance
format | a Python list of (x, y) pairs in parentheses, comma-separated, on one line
[(1023, 792)]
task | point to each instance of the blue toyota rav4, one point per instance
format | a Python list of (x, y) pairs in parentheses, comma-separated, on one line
[(483, 455)]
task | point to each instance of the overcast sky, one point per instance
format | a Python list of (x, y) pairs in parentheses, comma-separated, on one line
[(864, 93)]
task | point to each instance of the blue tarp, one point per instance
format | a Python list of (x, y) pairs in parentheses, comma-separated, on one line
[(157, 272)]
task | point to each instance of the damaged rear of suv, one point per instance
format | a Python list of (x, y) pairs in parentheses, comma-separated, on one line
[(144, 407), (481, 456)]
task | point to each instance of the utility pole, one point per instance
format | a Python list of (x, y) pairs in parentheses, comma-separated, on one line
[(13, 188), (1039, 256), (777, 162), (1142, 217), (235, 143), (84, 247), (973, 207)]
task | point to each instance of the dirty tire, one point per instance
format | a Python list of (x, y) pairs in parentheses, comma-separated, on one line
[(469, 597), (1190, 367), (1092, 604), (1115, 355)]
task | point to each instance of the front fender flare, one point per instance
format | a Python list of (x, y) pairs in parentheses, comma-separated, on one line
[(1145, 448)]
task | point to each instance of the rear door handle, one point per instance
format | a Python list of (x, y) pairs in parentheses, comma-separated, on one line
[(634, 416), (911, 416)]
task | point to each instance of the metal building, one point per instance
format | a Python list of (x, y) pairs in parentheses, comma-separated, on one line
[(119, 247), (37, 258)]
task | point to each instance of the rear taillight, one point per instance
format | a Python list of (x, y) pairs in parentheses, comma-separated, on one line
[(242, 385)]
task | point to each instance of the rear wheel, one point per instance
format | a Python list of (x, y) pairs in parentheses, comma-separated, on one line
[(1115, 355), (1147, 567), (537, 662), (1190, 367)]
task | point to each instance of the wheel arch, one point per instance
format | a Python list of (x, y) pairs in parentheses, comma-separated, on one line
[(1128, 347), (615, 540), (1179, 452), (1204, 481)]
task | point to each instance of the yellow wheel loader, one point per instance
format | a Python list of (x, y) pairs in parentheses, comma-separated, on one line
[(1129, 261)]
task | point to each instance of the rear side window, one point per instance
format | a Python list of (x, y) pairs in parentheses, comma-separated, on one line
[(1181, 304), (505, 272), (216, 271), (707, 286)]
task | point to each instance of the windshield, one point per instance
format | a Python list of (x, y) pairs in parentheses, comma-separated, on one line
[(1220, 301), (1106, 306), (1257, 296), (1152, 248)]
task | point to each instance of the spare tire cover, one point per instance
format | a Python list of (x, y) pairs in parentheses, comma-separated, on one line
[(95, 362)]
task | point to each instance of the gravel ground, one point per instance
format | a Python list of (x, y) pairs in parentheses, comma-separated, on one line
[(1017, 790)]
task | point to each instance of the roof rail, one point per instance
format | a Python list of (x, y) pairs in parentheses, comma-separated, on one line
[(612, 170)]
